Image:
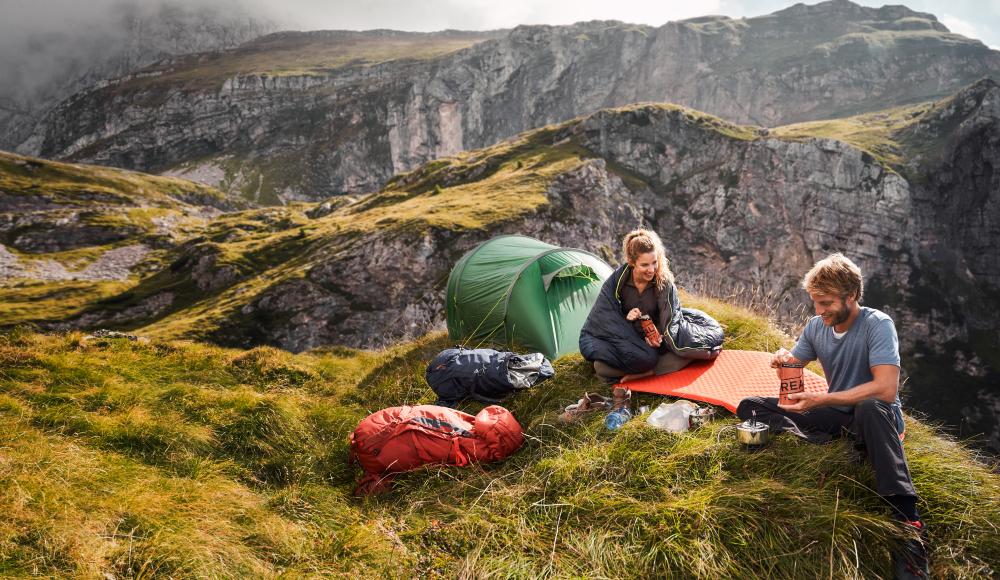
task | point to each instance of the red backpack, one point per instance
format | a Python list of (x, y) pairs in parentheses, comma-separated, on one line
[(399, 439)]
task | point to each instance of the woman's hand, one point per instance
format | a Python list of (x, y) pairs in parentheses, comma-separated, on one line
[(633, 314)]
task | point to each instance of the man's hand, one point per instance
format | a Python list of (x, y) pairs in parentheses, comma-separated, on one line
[(633, 314), (782, 356), (803, 402)]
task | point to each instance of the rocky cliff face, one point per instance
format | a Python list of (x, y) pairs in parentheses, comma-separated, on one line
[(952, 297), (274, 134)]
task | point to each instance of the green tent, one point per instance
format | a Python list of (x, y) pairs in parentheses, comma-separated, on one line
[(516, 289)]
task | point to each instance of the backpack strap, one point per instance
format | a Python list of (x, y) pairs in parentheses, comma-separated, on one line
[(447, 431), (439, 426)]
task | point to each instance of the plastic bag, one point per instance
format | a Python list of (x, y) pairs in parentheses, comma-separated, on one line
[(672, 416)]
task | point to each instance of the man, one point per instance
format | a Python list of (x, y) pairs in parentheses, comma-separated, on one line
[(859, 351)]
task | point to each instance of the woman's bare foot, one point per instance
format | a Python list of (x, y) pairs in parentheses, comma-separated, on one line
[(628, 378)]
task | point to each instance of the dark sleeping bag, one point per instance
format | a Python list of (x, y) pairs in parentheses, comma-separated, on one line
[(608, 337), (484, 374)]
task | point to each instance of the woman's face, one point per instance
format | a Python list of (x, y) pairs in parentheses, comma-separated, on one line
[(645, 266)]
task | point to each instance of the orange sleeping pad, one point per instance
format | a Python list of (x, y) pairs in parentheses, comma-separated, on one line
[(725, 381)]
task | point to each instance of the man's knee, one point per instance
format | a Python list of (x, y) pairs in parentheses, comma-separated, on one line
[(747, 406), (871, 408)]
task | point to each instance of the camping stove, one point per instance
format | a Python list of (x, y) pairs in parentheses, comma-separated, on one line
[(753, 433)]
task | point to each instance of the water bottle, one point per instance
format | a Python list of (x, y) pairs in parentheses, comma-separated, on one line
[(617, 418)]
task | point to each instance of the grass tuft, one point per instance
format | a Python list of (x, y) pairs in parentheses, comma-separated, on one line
[(269, 369)]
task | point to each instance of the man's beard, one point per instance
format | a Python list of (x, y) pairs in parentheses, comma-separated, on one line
[(841, 316)]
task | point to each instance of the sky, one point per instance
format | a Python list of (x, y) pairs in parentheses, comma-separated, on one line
[(978, 19)]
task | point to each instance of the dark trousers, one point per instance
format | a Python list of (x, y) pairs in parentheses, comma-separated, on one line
[(873, 424), (667, 363)]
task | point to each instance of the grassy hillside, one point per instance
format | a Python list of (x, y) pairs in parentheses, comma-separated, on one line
[(902, 137), (142, 459), (299, 54), (260, 248), (79, 185), (57, 219)]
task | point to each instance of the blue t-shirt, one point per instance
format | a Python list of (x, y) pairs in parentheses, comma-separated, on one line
[(847, 361)]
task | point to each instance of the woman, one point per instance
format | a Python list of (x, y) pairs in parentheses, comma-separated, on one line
[(613, 338)]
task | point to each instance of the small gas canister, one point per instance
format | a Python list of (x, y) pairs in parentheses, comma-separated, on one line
[(792, 381)]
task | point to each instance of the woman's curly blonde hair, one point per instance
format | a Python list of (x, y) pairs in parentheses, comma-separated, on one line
[(641, 241)]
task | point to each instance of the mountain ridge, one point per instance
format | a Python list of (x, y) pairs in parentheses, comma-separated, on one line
[(283, 137)]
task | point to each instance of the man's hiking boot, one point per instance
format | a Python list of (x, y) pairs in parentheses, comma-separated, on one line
[(622, 399), (589, 402), (910, 560)]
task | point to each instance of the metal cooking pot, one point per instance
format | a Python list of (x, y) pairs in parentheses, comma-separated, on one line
[(700, 416), (753, 433)]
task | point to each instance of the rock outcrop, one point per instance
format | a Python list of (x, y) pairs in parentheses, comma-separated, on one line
[(277, 135)]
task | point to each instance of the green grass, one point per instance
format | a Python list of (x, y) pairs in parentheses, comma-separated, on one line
[(269, 246), (108, 203), (697, 118), (874, 133), (30, 301), (192, 460), (899, 138), (75, 259), (296, 54), (78, 185)]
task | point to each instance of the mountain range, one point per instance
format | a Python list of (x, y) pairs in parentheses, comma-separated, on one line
[(303, 116)]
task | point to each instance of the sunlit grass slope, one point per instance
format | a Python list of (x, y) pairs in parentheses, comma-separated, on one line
[(897, 137), (178, 458), (80, 185), (260, 248), (299, 54), (88, 211)]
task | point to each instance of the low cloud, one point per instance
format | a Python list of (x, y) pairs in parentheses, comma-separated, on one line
[(47, 44), (959, 26)]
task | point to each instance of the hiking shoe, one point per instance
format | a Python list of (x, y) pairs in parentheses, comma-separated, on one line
[(910, 560), (622, 399), (589, 402)]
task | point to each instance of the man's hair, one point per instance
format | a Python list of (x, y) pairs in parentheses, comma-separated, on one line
[(835, 275), (641, 241)]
